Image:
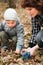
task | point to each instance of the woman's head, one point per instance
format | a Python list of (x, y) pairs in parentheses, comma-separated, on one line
[(30, 5), (38, 4)]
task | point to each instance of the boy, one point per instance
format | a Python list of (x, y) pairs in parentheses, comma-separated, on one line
[(35, 9), (11, 28)]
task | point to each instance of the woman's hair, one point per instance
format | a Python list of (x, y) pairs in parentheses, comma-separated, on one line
[(38, 4)]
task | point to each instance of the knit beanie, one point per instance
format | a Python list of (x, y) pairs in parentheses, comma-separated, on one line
[(10, 14)]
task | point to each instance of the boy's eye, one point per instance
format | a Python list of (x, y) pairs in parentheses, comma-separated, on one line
[(12, 22), (7, 23)]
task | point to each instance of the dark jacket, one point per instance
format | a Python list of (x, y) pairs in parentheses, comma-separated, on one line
[(37, 23)]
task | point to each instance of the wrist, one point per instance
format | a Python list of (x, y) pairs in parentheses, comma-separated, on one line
[(36, 47), (19, 47)]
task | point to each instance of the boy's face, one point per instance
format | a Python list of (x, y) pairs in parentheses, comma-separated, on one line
[(11, 23), (32, 11)]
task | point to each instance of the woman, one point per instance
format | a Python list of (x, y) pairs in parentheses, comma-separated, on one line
[(35, 9)]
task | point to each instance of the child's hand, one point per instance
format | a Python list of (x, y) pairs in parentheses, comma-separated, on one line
[(17, 51), (26, 50)]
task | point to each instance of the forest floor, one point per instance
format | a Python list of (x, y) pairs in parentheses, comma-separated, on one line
[(9, 57)]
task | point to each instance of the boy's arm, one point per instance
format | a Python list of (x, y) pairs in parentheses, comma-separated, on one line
[(1, 26), (20, 37)]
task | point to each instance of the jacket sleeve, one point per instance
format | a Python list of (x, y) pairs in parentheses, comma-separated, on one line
[(1, 26), (20, 35)]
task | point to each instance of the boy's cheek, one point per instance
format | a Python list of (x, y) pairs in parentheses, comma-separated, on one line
[(14, 24)]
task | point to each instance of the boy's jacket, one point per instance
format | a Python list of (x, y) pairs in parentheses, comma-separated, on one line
[(15, 31)]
